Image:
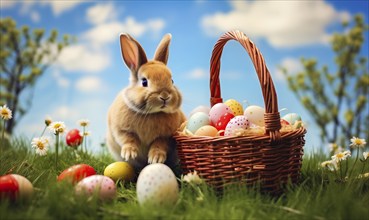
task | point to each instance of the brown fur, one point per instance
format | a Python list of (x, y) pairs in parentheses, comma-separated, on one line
[(140, 122)]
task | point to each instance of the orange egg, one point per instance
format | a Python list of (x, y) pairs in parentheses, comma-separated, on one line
[(207, 130)]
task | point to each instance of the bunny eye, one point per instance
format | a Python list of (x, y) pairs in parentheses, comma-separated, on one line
[(172, 81), (144, 82)]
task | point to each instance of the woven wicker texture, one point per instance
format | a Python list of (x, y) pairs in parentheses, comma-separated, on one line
[(272, 159)]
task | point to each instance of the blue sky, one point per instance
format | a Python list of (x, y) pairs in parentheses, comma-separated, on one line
[(90, 73)]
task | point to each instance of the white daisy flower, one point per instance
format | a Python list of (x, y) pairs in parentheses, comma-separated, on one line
[(330, 165), (5, 112), (86, 133), (41, 145), (365, 155), (84, 122), (57, 127), (357, 142), (192, 178), (341, 156)]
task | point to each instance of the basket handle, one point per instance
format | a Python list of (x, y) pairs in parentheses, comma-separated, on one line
[(271, 116)]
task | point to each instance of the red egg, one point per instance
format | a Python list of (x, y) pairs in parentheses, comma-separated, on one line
[(223, 121), (14, 187), (9, 187), (74, 138), (77, 172)]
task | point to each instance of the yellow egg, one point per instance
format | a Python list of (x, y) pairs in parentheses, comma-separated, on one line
[(207, 130), (235, 106), (120, 171)]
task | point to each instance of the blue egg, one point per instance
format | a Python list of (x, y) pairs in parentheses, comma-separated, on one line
[(292, 118), (197, 120)]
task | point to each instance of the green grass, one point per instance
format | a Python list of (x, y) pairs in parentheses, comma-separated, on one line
[(318, 196)]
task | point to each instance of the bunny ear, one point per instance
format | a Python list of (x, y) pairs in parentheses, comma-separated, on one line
[(133, 54), (162, 52)]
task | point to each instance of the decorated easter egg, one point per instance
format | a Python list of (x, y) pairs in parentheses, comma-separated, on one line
[(120, 171), (255, 114), (157, 185), (235, 124), (14, 187), (223, 121), (77, 172), (99, 185), (201, 108), (235, 106), (292, 118), (73, 138), (217, 111), (207, 130), (197, 120), (284, 122)]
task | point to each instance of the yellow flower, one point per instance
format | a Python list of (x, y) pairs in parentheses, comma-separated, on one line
[(357, 142), (5, 112), (84, 122), (57, 127), (41, 145), (192, 178)]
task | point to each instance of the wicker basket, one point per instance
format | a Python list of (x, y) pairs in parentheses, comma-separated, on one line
[(270, 160)]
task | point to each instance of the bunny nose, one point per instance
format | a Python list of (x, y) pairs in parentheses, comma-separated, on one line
[(165, 98)]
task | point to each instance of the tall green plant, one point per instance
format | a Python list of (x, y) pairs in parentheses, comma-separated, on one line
[(337, 100), (24, 56)]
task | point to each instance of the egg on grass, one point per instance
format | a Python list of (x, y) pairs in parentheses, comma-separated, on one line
[(157, 186), (15, 187), (76, 173), (73, 138), (120, 171), (101, 186)]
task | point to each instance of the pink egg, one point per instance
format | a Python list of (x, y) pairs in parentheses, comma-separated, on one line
[(101, 185), (217, 111), (235, 124)]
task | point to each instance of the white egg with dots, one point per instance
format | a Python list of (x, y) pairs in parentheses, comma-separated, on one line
[(101, 185), (157, 185), (236, 124)]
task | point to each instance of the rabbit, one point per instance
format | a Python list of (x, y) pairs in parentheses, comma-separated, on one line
[(144, 116)]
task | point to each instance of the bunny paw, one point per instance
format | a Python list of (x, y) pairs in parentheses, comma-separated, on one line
[(129, 152), (157, 156)]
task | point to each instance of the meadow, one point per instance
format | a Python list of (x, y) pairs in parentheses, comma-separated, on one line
[(319, 195)]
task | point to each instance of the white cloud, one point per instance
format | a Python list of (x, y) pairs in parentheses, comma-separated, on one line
[(81, 57), (28, 7), (7, 4), (91, 54), (89, 84), (63, 113), (58, 7), (35, 16), (101, 13), (105, 33), (197, 73), (292, 65), (60, 80), (281, 23)]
